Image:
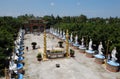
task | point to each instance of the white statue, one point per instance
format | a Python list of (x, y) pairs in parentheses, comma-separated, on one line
[(100, 47), (90, 45), (63, 35), (82, 42), (52, 31), (12, 65), (113, 54), (71, 37), (57, 31), (76, 39), (60, 33)]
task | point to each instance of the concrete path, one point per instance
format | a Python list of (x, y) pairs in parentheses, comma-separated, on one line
[(79, 67)]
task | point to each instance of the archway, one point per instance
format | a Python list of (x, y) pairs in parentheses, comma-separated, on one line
[(41, 28), (35, 28)]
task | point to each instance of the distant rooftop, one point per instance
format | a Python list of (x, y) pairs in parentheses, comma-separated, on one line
[(36, 18)]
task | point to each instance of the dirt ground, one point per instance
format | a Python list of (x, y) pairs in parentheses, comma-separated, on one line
[(79, 67)]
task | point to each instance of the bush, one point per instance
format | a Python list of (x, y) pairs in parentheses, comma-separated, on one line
[(72, 52), (39, 55)]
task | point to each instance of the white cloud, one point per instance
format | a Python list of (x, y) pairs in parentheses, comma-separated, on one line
[(52, 3)]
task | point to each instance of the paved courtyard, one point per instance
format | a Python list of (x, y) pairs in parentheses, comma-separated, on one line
[(79, 67)]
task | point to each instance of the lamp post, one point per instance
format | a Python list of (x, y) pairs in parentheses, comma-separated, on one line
[(67, 44)]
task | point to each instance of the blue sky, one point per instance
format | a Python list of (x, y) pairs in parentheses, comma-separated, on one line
[(90, 8)]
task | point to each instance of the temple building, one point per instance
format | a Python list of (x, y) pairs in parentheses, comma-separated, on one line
[(34, 25)]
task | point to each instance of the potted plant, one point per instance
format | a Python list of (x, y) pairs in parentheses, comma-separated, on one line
[(39, 57), (34, 45), (72, 52), (60, 44)]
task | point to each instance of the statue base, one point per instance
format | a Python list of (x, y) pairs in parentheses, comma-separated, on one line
[(89, 53), (82, 50), (112, 66), (71, 44), (76, 46), (21, 71), (20, 76), (99, 59)]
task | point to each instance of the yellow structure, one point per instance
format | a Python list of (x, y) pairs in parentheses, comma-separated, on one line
[(67, 44), (107, 52), (6, 73), (44, 54)]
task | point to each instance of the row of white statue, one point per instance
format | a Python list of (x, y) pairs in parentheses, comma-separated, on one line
[(62, 35), (13, 67)]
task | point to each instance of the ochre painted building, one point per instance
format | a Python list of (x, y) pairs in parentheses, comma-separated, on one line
[(34, 25)]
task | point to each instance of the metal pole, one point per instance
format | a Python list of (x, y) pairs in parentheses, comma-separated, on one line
[(107, 50)]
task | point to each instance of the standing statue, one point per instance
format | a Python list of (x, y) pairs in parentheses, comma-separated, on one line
[(63, 35), (82, 42), (113, 54), (90, 45), (76, 39), (100, 48), (71, 37)]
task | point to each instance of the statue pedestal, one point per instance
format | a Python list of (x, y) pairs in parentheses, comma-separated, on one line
[(89, 53), (76, 46), (63, 38), (99, 59), (20, 67), (82, 49), (70, 43), (20, 59), (112, 66), (20, 76)]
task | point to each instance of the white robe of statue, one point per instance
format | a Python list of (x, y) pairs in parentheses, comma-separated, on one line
[(64, 35), (90, 45), (76, 39), (60, 33), (113, 54), (71, 37), (82, 40), (12, 65), (100, 47)]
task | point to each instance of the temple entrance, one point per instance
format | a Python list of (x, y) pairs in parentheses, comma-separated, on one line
[(34, 25), (35, 28), (41, 28), (27, 29)]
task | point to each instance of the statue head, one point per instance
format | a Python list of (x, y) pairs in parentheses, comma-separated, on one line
[(100, 43), (114, 48), (90, 39)]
